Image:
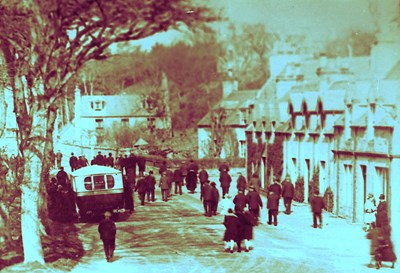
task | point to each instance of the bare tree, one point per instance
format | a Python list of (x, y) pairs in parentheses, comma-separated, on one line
[(45, 43)]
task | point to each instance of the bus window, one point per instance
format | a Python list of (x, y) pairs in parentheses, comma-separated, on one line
[(99, 183), (87, 182), (110, 181)]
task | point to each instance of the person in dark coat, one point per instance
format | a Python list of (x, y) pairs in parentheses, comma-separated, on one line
[(178, 180), (206, 197), (254, 201), (141, 188), (108, 231), (273, 207), (191, 181), (109, 160), (215, 198), (141, 162), (232, 229), (241, 183), (193, 166), (240, 201), (128, 194), (163, 167), (131, 168), (203, 176), (73, 162), (247, 222), (382, 218), (225, 179), (62, 177), (276, 187), (151, 186), (287, 194), (99, 159), (223, 167), (170, 176), (317, 205), (255, 182)]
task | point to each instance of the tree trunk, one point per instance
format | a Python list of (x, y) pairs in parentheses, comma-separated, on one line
[(30, 226)]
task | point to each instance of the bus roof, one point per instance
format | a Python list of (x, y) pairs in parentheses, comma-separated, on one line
[(95, 169)]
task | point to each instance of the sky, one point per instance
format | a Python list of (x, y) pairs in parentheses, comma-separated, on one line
[(319, 19)]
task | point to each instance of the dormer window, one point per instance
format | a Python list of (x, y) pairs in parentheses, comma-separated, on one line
[(97, 105)]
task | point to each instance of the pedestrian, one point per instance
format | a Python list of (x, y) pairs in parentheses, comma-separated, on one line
[(241, 183), (128, 194), (370, 212), (108, 231), (381, 247), (232, 229), (382, 216), (240, 201), (206, 197), (317, 205), (223, 167), (287, 194), (178, 180), (255, 182), (191, 181), (170, 176), (131, 168), (163, 167), (254, 201), (141, 188), (110, 160), (58, 159), (164, 186), (226, 204), (247, 222), (85, 162), (215, 198), (203, 176), (276, 187), (225, 180), (73, 162), (141, 162), (99, 159), (273, 207), (151, 186), (62, 177), (193, 166)]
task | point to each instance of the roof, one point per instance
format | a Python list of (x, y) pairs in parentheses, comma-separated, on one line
[(333, 100), (95, 169), (141, 142), (113, 106)]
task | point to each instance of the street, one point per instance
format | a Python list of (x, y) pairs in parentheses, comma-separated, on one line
[(174, 236)]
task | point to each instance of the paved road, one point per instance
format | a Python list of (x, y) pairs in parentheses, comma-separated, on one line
[(176, 237)]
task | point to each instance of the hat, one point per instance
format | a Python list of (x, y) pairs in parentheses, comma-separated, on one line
[(382, 197), (370, 195)]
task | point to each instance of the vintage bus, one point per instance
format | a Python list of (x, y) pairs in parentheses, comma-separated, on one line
[(97, 189)]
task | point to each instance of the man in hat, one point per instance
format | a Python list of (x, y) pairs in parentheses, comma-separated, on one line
[(287, 194), (207, 197), (108, 230), (382, 218), (141, 188), (317, 205), (241, 182), (254, 201), (276, 187)]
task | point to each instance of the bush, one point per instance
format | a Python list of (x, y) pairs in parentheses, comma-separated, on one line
[(313, 185), (329, 199), (299, 190)]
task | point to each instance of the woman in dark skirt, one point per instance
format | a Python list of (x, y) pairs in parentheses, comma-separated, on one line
[(247, 221), (191, 181), (232, 232)]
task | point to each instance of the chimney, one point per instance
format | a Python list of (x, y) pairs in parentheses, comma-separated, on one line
[(77, 114)]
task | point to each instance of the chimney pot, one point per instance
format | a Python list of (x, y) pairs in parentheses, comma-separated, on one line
[(255, 124)]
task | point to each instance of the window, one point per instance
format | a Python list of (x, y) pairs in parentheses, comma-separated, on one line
[(99, 123), (87, 182), (242, 148), (125, 121), (110, 181), (97, 105), (99, 183)]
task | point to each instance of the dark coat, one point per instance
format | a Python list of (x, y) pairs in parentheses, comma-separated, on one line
[(215, 194), (276, 188), (225, 179), (241, 183), (164, 183), (110, 161), (141, 185), (151, 182), (273, 201), (73, 161), (287, 189), (247, 221), (240, 201), (193, 167), (203, 176), (317, 204), (178, 176), (255, 182), (254, 200), (206, 192), (191, 181), (107, 230), (131, 162), (141, 162), (62, 178), (382, 218), (233, 226)]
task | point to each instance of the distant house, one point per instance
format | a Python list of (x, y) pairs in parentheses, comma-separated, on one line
[(237, 107)]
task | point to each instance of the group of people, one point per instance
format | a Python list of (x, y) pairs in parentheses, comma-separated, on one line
[(379, 231)]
